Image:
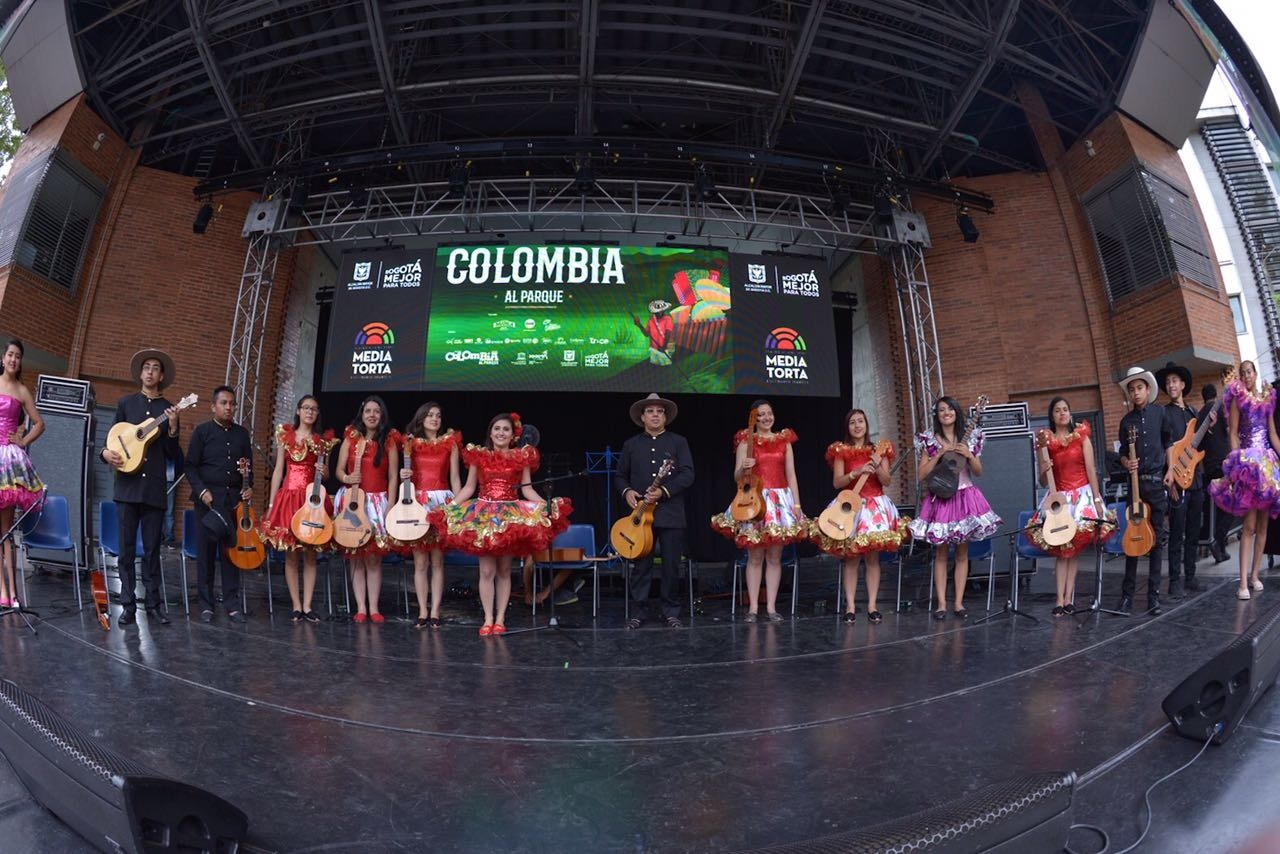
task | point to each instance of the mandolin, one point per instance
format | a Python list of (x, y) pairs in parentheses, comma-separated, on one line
[(130, 440), (246, 551), (1139, 536), (748, 501), (838, 519), (632, 535), (311, 524), (1058, 526), (944, 481), (351, 525), (407, 518), (1186, 451)]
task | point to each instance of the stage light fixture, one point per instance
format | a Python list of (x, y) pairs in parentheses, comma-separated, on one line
[(584, 179), (883, 207), (459, 178), (840, 201), (968, 230), (704, 186), (203, 217)]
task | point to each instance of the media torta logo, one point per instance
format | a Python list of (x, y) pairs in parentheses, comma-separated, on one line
[(375, 335), (784, 338)]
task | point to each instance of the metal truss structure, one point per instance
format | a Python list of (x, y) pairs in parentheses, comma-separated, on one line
[(919, 333)]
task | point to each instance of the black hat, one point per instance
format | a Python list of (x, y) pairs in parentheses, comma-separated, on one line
[(1171, 368), (216, 525)]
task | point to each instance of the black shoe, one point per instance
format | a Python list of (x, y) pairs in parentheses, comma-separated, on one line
[(235, 617), (1175, 590), (1125, 606), (1153, 606), (850, 616), (1219, 554), (158, 615), (127, 618), (206, 616), (1193, 586)]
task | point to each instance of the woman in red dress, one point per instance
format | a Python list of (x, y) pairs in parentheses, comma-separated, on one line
[(300, 447), (496, 525), (1068, 451), (432, 462), (379, 466)]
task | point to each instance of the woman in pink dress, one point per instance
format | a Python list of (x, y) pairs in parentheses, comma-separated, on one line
[(432, 462), (20, 486)]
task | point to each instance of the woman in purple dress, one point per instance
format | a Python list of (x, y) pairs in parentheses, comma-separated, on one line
[(20, 486), (1250, 482)]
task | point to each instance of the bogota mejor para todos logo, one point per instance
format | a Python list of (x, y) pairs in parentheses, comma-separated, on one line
[(372, 353), (784, 355)]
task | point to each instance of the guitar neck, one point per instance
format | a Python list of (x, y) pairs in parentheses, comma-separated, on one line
[(1204, 428)]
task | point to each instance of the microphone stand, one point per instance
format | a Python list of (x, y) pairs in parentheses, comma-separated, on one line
[(1010, 608), (553, 622), (7, 537)]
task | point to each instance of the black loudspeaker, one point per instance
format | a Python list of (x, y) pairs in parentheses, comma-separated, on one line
[(1009, 484), (1214, 699), (1031, 813), (114, 803), (61, 458)]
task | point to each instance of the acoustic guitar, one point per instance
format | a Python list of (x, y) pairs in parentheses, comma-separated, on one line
[(407, 518), (351, 525), (944, 481), (246, 551), (1058, 526), (632, 535), (98, 581), (130, 440), (748, 501), (838, 519), (311, 525), (1186, 451), (1139, 536)]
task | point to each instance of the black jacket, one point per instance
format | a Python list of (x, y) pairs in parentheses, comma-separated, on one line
[(638, 463)]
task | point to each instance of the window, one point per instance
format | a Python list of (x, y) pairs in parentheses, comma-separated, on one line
[(47, 219), (1237, 312)]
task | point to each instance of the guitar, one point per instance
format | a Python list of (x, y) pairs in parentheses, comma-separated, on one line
[(838, 519), (944, 480), (1058, 526), (98, 580), (748, 502), (130, 440), (407, 518), (246, 551), (351, 525), (311, 524), (1186, 453), (632, 535), (1139, 536)]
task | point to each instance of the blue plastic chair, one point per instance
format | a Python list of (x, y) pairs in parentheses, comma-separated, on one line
[(789, 559), (49, 528), (575, 537)]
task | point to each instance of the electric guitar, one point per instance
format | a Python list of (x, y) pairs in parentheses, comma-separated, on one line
[(130, 440), (246, 551), (748, 502), (944, 481), (1185, 452), (1058, 526), (407, 518), (838, 519), (1139, 536), (311, 524), (632, 535), (351, 525)]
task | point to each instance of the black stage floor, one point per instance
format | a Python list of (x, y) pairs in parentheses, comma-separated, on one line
[(719, 736)]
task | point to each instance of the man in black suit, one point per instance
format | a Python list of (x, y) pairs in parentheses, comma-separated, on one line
[(638, 464), (1216, 446)]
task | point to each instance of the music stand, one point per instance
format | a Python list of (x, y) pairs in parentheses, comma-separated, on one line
[(553, 622), (1011, 602), (7, 537)]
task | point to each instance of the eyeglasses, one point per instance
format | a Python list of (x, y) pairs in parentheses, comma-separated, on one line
[(310, 409)]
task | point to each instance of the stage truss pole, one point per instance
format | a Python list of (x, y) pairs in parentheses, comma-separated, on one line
[(919, 332)]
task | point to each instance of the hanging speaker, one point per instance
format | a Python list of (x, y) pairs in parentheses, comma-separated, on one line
[(114, 803)]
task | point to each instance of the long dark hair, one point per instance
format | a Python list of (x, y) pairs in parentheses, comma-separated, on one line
[(846, 436), (1053, 428), (488, 431), (297, 417), (22, 353), (415, 427), (384, 425), (937, 425)]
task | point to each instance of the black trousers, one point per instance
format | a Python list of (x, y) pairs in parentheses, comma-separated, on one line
[(1154, 494), (669, 544), (209, 556), (1184, 535), (130, 515)]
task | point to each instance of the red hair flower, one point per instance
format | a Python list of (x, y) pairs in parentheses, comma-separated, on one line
[(515, 423)]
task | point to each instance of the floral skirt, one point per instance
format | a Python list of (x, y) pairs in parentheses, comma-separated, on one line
[(1250, 481), (501, 528), (877, 528), (274, 528), (20, 486), (964, 517), (1090, 526), (777, 526), (432, 500), (375, 507)]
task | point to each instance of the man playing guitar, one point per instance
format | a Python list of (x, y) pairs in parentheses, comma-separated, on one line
[(1184, 515)]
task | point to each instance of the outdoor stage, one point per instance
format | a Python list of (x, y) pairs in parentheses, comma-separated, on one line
[(719, 736)]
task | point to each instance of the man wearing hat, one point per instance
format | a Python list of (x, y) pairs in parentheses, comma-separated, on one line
[(1184, 517), (1155, 477), (213, 468), (658, 330), (638, 464), (140, 496)]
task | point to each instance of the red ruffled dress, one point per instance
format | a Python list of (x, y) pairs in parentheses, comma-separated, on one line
[(300, 458), (496, 522), (374, 482), (780, 524), (429, 459), (877, 527), (1072, 479)]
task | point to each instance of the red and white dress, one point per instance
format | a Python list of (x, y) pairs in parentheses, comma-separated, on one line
[(1072, 479), (429, 459), (780, 523), (877, 527), (497, 521), (300, 458), (374, 482)]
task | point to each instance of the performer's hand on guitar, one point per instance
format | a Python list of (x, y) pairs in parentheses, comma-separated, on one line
[(867, 468), (633, 498), (246, 494), (172, 414), (352, 479), (1130, 465), (653, 494), (323, 469), (405, 474), (113, 458)]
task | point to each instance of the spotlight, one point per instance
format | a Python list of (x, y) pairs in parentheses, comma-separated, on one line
[(704, 186), (967, 229), (840, 201), (203, 217), (883, 207), (459, 178), (584, 179)]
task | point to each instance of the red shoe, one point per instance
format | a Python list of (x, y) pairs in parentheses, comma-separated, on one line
[(360, 617), (485, 631), (499, 629), (377, 618)]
